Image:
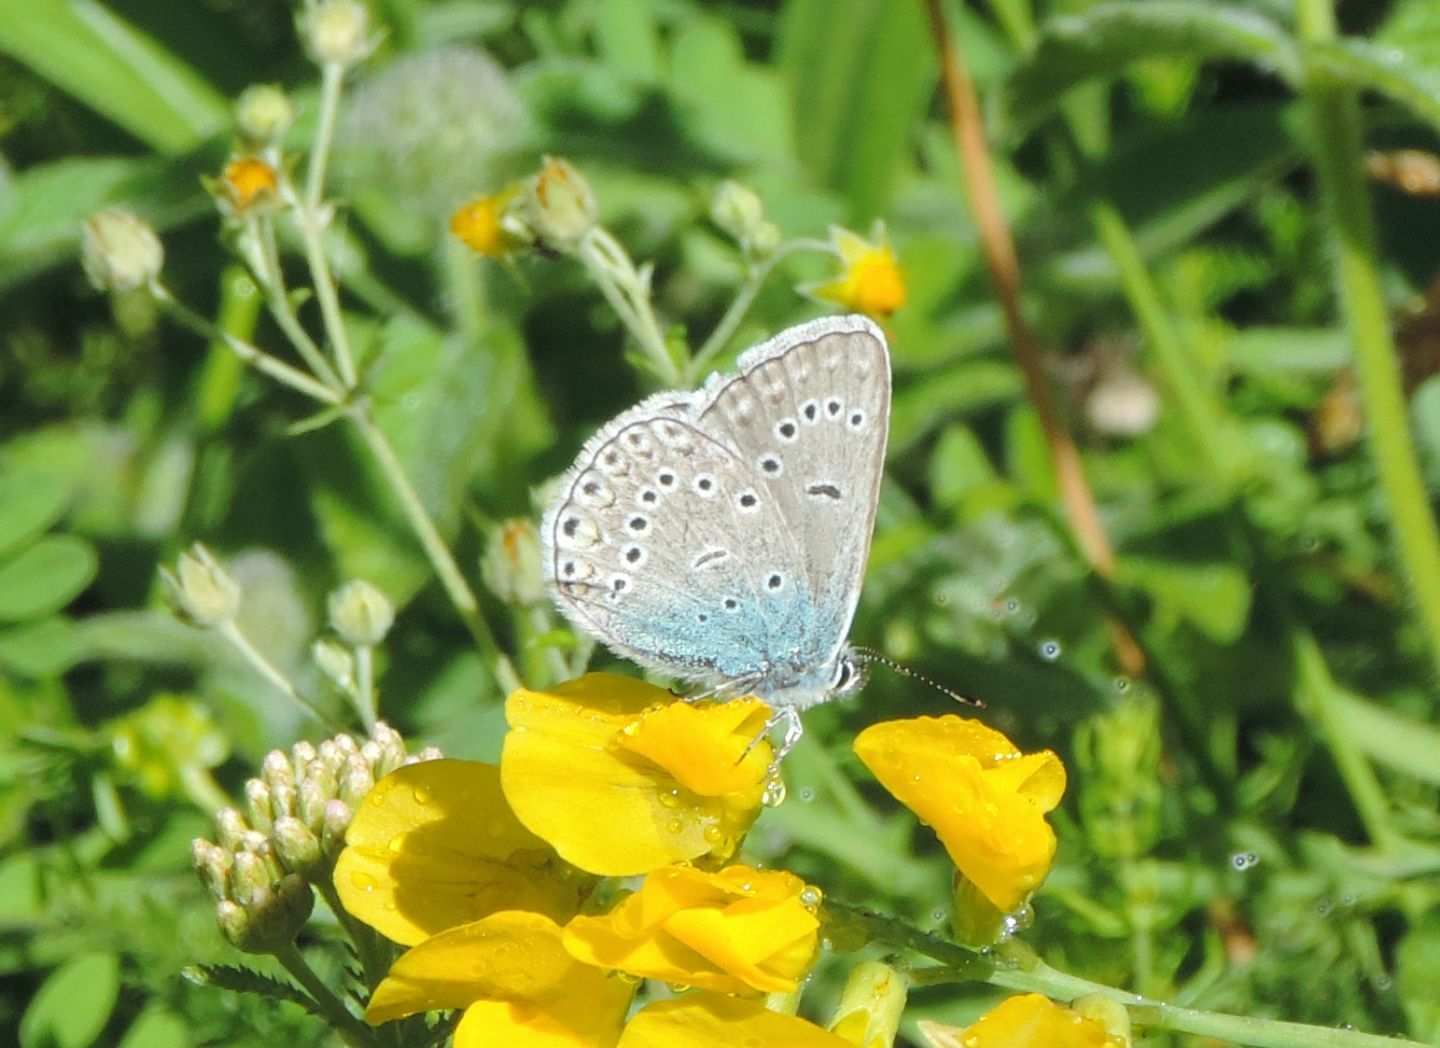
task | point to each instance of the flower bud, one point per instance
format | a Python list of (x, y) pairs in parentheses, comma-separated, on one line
[(560, 204), (1122, 404), (264, 114), (297, 847), (233, 922), (271, 919), (736, 208), (360, 614), (335, 661), (230, 828), (302, 754), (213, 864), (120, 252), (392, 749), (257, 804), (332, 832), (201, 590), (247, 185), (315, 791), (429, 753), (1109, 1013), (511, 564), (276, 769), (356, 783), (337, 31), (248, 877)]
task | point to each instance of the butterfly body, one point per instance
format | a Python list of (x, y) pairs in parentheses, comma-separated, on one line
[(720, 536)]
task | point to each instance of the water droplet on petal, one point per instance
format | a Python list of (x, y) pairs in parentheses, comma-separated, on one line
[(774, 793), (364, 882)]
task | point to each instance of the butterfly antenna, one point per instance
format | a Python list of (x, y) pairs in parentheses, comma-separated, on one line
[(871, 655)]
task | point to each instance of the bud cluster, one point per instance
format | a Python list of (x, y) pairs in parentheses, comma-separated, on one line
[(738, 210), (260, 867), (201, 591)]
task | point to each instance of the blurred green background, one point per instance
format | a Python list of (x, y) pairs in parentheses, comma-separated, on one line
[(1251, 826)]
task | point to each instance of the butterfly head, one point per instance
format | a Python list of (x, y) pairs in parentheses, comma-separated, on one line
[(850, 674)]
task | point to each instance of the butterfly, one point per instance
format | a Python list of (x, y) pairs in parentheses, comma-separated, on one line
[(720, 536)]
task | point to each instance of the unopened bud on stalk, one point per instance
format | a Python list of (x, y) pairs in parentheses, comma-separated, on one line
[(264, 114), (560, 204), (337, 31), (360, 614), (511, 565), (120, 251), (200, 589)]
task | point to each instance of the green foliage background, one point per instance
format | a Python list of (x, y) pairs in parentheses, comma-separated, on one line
[(1252, 827)]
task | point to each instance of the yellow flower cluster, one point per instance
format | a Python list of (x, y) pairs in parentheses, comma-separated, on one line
[(495, 876)]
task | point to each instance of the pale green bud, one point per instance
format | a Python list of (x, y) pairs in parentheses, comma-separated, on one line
[(230, 828), (360, 614), (560, 205), (120, 251), (213, 864), (332, 832), (391, 747), (200, 589), (356, 783), (511, 564), (233, 921), (276, 769), (257, 804), (337, 31), (249, 875), (264, 113), (736, 208), (297, 847), (315, 791)]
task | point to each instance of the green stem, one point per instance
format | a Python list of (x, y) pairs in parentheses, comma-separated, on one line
[(1202, 416), (263, 666), (365, 685), (256, 358), (324, 283), (443, 561), (331, 76), (1336, 133), (352, 1030), (374, 952), (1322, 704), (628, 293), (265, 263)]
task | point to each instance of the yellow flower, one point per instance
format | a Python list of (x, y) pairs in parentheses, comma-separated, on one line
[(481, 224), (1028, 1021), (737, 931), (518, 986), (985, 799), (249, 183), (708, 1020), (871, 281), (622, 779), (435, 845), (868, 1014)]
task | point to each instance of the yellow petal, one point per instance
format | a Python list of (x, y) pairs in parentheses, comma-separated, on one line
[(585, 768), (435, 845), (737, 931), (511, 958), (985, 800), (708, 1020), (1027, 1021)]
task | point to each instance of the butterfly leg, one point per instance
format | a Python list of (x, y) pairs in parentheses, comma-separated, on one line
[(793, 731)]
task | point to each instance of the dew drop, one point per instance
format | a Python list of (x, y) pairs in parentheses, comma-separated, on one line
[(421, 795), (1122, 684), (396, 843), (364, 882), (811, 897), (675, 826), (1244, 860), (774, 793), (807, 795), (1050, 650), (1323, 907), (713, 834)]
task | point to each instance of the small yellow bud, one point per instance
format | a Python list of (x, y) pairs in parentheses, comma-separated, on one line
[(120, 251), (489, 226), (337, 31), (249, 183), (264, 114), (360, 614)]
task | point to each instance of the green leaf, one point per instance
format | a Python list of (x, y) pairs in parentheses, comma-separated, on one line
[(157, 1027), (959, 466), (1107, 38), (45, 577), (84, 49), (30, 502), (73, 1005), (1397, 741), (859, 84), (247, 980), (1386, 70), (957, 392), (1288, 350), (39, 649), (1212, 597)]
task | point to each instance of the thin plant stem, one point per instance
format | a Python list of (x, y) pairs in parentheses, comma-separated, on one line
[(332, 74), (628, 293), (1202, 416), (365, 685), (266, 266), (374, 952), (755, 277), (1321, 702), (232, 633), (323, 281), (352, 1030), (1014, 966), (998, 247), (1336, 134), (255, 357), (441, 558)]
